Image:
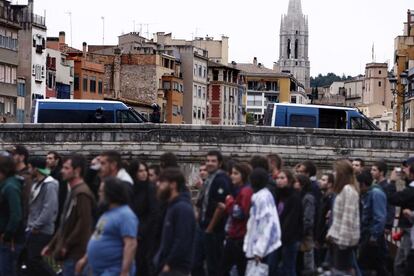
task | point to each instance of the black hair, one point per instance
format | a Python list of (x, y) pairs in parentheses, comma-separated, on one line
[(360, 161), (115, 191), (217, 154), (305, 183), (113, 157), (228, 164), (56, 156), (381, 166), (7, 166), (259, 178), (258, 161), (78, 161), (21, 150), (310, 168), (244, 169), (168, 160), (133, 168), (174, 175), (365, 178), (156, 169)]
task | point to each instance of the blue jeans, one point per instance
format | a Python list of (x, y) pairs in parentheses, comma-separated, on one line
[(287, 256), (9, 259), (68, 268)]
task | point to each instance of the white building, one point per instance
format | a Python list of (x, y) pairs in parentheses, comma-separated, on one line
[(60, 73)]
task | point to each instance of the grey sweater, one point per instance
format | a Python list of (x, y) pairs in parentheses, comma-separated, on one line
[(43, 206)]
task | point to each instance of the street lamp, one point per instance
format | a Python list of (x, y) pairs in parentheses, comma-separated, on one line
[(400, 94)]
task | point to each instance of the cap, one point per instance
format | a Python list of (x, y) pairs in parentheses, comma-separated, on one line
[(40, 164), (408, 162)]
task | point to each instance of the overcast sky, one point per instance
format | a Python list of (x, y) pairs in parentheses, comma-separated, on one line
[(341, 32)]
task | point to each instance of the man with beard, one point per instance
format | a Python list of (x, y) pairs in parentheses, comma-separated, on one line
[(175, 254), (405, 200), (211, 221), (70, 241), (54, 164)]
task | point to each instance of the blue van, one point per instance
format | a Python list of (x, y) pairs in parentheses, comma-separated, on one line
[(84, 111), (316, 116)]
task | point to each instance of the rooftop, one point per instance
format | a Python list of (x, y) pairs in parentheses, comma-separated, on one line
[(251, 68)]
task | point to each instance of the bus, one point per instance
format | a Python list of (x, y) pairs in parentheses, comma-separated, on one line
[(84, 111), (316, 116)]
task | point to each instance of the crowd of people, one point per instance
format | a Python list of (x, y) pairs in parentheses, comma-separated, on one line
[(68, 216)]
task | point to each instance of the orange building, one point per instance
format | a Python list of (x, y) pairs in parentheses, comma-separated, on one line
[(89, 75), (172, 95)]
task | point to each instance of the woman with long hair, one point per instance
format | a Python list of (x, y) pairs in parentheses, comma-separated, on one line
[(344, 232), (289, 207), (145, 205), (237, 209), (304, 186)]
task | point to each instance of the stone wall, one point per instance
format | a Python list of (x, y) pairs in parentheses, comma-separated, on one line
[(191, 143)]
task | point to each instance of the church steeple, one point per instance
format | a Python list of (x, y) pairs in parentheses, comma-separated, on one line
[(294, 43), (295, 7)]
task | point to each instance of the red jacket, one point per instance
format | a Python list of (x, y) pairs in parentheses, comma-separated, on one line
[(238, 211)]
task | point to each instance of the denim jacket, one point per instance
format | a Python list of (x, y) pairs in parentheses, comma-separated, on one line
[(374, 213)]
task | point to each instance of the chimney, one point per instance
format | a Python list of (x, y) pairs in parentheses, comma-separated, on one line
[(61, 38), (84, 49), (255, 60)]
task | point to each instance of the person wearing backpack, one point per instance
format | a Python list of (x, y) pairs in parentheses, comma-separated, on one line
[(11, 218)]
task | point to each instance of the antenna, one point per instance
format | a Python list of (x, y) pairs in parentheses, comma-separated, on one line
[(103, 30), (70, 23)]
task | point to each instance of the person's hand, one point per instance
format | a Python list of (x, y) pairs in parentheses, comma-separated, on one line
[(221, 205), (45, 251), (166, 269), (80, 265), (63, 252), (35, 231), (407, 213), (257, 259)]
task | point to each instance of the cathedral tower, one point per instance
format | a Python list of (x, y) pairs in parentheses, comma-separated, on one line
[(294, 43)]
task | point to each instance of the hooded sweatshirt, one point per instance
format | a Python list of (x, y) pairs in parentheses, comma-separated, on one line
[(43, 206)]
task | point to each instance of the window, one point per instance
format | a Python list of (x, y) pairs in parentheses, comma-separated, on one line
[(379, 84), (166, 85), (302, 121), (76, 84), (50, 82), (195, 112), (195, 91), (199, 113), (254, 100), (100, 87), (92, 84), (199, 92), (8, 74), (360, 123), (21, 90), (203, 114), (38, 71), (293, 100), (85, 84), (195, 69), (204, 92), (175, 110), (200, 71), (2, 72), (379, 72), (204, 72)]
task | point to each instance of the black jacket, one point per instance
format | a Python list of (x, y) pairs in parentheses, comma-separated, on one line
[(178, 235), (322, 224), (220, 188), (291, 218), (405, 200)]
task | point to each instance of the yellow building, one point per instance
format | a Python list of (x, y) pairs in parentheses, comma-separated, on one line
[(266, 86), (404, 60)]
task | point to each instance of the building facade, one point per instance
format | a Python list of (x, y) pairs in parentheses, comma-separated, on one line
[(224, 103), (12, 90), (354, 91), (376, 88), (31, 54), (269, 86), (404, 56), (294, 44), (59, 75)]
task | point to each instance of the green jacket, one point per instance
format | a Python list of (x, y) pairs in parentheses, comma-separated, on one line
[(11, 214)]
